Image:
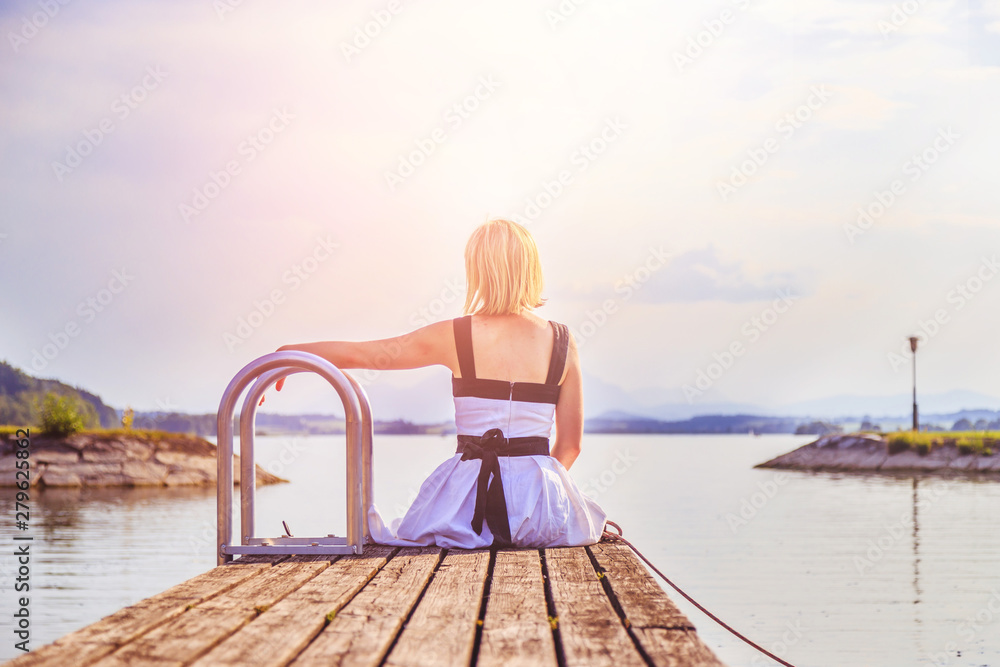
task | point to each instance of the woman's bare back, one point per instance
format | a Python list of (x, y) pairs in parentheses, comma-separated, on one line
[(513, 348)]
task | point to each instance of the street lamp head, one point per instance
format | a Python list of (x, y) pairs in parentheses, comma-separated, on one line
[(913, 343)]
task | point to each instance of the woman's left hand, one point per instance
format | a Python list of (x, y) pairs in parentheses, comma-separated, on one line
[(277, 385)]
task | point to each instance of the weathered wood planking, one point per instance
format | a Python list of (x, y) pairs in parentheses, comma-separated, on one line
[(404, 607), (664, 633), (361, 632), (101, 638), (442, 629), (592, 633), (186, 637), (279, 634), (516, 630)]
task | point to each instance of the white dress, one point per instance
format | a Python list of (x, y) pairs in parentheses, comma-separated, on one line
[(506, 427)]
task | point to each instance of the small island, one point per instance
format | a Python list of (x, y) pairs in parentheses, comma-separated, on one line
[(975, 454), (122, 457)]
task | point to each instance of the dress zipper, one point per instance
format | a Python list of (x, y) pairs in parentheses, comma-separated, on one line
[(510, 408)]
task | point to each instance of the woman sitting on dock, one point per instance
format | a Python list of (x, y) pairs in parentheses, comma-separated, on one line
[(514, 375)]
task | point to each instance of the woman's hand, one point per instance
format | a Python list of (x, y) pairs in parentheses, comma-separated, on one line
[(281, 381)]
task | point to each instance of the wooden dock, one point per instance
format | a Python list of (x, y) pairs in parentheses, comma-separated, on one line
[(408, 607)]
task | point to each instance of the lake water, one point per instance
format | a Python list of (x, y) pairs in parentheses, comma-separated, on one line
[(822, 569)]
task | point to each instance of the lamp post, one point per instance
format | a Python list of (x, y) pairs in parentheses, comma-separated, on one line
[(913, 349)]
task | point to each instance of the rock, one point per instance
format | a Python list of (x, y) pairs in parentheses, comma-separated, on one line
[(10, 478), (84, 474), (105, 456), (865, 452), (62, 477), (55, 456), (963, 462), (145, 473), (834, 452), (8, 463), (188, 478), (136, 458), (986, 463)]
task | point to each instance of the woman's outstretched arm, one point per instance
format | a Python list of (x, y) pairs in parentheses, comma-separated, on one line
[(431, 345), (569, 411)]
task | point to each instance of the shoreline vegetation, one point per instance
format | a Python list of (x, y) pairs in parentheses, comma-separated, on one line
[(956, 453), (118, 457)]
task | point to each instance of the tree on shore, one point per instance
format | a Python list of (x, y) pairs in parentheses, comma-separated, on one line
[(63, 415)]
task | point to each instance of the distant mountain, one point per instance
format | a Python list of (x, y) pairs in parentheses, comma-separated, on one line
[(617, 422), (271, 424), (853, 405), (21, 394)]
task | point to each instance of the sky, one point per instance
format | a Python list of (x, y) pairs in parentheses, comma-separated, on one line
[(742, 201)]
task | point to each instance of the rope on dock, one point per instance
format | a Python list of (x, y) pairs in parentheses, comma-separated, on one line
[(608, 536)]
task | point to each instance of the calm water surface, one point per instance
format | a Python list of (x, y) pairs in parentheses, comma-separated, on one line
[(822, 569)]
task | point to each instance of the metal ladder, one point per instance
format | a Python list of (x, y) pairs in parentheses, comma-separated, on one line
[(264, 372)]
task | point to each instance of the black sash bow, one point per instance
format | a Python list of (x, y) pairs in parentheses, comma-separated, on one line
[(491, 504)]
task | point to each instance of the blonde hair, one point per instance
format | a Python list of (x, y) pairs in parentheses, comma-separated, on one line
[(502, 268)]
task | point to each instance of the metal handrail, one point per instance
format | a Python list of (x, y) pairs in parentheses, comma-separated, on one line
[(263, 372)]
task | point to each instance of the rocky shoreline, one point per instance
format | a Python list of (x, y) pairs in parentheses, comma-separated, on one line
[(869, 453), (114, 459)]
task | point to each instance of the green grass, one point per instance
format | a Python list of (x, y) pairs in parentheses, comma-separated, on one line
[(146, 433), (968, 442), (150, 434)]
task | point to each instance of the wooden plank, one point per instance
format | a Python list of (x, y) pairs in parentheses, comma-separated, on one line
[(258, 558), (280, 633), (663, 631), (97, 640), (194, 632), (442, 629), (590, 630), (361, 633), (516, 629)]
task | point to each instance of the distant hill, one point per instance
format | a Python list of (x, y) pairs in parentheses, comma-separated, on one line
[(275, 424), (618, 422), (21, 394)]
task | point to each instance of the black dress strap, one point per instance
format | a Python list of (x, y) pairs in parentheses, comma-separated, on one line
[(560, 347), (463, 345)]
